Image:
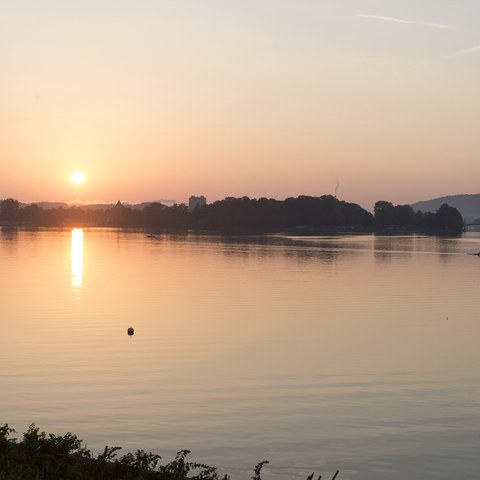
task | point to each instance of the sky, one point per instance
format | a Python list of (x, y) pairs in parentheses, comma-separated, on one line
[(163, 99)]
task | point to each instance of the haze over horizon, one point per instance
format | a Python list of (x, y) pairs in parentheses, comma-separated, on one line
[(86, 203), (368, 99)]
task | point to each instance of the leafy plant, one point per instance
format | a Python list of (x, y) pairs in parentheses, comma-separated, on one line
[(41, 456)]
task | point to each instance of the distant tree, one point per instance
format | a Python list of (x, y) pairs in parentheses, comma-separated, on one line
[(449, 218), (10, 210), (445, 219), (387, 214), (54, 216), (404, 215), (419, 220), (121, 216), (31, 214), (154, 214), (384, 213), (176, 216)]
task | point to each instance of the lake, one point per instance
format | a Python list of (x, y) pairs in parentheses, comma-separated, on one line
[(357, 353)]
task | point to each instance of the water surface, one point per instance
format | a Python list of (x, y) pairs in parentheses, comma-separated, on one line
[(357, 353)]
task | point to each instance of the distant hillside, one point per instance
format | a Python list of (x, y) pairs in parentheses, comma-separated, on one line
[(467, 205), (141, 206), (49, 205)]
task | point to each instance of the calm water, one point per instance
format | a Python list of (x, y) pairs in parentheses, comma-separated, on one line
[(357, 353)]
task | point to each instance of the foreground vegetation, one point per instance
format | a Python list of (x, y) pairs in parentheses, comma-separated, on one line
[(305, 213), (41, 456)]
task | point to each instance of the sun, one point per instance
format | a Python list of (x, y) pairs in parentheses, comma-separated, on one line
[(78, 178)]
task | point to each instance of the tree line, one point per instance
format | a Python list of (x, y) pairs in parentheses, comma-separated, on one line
[(264, 214)]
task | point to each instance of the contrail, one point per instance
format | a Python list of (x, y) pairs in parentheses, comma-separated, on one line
[(388, 19), (466, 51), (407, 22)]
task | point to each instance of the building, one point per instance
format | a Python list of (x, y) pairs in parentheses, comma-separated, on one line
[(196, 201)]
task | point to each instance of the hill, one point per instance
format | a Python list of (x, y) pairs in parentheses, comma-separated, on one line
[(467, 204)]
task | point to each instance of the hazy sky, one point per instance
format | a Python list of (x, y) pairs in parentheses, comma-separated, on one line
[(167, 98)]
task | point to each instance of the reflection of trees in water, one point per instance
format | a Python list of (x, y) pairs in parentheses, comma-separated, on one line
[(272, 246), (324, 256), (448, 246), (387, 246), (9, 236), (262, 246)]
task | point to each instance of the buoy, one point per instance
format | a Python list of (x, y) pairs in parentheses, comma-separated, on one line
[(130, 331)]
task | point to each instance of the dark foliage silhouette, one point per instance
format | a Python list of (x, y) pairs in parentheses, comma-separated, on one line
[(54, 457), (303, 213)]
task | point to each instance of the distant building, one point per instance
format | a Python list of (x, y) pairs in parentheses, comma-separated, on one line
[(194, 201)]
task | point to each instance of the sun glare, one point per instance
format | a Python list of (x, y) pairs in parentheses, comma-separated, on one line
[(78, 178)]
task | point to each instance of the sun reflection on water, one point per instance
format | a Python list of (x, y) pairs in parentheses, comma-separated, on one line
[(77, 257)]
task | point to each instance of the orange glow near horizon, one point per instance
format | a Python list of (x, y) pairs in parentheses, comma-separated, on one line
[(368, 105)]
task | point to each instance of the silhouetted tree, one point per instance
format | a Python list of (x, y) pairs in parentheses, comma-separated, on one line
[(154, 215), (384, 213), (449, 218), (238, 213), (387, 214), (9, 210), (404, 215), (31, 215), (445, 219)]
